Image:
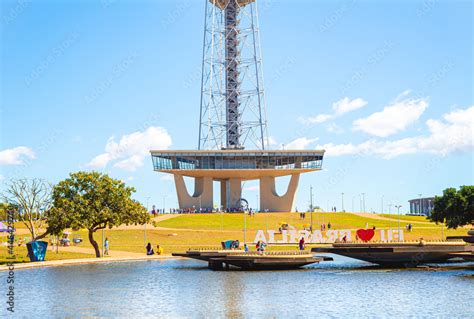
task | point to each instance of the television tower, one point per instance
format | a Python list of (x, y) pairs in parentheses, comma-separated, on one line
[(233, 137), (232, 111)]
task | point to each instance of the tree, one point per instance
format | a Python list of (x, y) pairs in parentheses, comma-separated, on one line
[(30, 200), (93, 201), (5, 208), (455, 207)]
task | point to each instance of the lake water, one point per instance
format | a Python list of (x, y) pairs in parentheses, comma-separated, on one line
[(187, 289)]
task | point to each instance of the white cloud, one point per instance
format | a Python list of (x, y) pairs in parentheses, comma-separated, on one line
[(16, 155), (347, 105), (340, 107), (100, 160), (452, 134), (318, 119), (131, 163), (132, 149), (271, 141), (300, 143), (394, 118), (334, 128)]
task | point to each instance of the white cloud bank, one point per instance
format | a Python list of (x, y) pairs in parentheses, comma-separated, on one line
[(452, 134), (347, 105), (16, 155), (300, 143), (130, 152), (339, 108), (394, 118)]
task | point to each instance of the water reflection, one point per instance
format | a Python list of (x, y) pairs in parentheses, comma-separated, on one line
[(186, 288)]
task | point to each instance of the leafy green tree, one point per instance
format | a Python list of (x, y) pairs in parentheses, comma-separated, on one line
[(29, 199), (455, 207), (93, 201)]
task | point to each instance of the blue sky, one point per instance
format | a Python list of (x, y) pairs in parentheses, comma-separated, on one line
[(384, 86)]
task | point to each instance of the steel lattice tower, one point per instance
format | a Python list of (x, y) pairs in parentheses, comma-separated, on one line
[(232, 124), (232, 111)]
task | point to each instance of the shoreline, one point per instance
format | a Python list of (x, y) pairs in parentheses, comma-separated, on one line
[(81, 261)]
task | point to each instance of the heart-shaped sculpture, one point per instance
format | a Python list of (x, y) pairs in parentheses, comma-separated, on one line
[(365, 234)]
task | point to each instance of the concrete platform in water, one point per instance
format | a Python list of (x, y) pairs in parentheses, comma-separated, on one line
[(277, 260), (401, 254)]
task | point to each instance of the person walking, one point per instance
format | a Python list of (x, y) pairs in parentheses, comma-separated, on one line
[(329, 225), (301, 243), (106, 246)]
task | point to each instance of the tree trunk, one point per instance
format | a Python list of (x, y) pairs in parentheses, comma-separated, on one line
[(94, 243), (33, 228), (42, 236)]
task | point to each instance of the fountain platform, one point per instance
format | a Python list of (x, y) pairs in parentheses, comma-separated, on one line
[(408, 254), (238, 259)]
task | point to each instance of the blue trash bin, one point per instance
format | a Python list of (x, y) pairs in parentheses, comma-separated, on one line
[(37, 250)]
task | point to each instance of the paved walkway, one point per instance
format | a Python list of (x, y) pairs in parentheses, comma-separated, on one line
[(378, 217), (91, 250)]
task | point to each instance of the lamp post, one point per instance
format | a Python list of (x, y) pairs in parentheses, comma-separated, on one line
[(381, 206), (342, 208), (398, 209), (144, 226), (419, 205), (363, 200), (245, 227), (164, 203), (311, 205)]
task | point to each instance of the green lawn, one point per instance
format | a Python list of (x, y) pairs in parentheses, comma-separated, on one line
[(407, 218), (208, 230), (21, 255), (271, 220)]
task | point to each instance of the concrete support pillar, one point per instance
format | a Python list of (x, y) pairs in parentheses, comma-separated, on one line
[(234, 192), (203, 192), (224, 194), (269, 199)]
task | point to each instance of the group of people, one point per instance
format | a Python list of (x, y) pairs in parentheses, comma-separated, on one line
[(323, 226), (302, 215), (150, 251), (260, 246)]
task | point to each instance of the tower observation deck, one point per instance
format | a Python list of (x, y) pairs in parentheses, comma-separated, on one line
[(232, 145)]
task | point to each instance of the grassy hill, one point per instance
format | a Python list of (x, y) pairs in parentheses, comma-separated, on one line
[(181, 232), (272, 220)]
